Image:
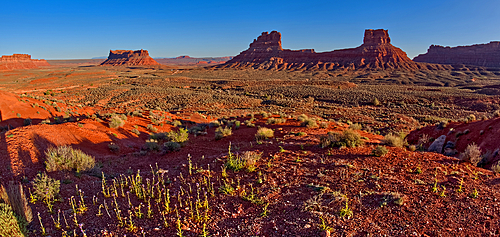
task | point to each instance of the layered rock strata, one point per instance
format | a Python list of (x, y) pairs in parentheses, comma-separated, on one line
[(484, 55), (129, 58), (375, 53), (20, 61)]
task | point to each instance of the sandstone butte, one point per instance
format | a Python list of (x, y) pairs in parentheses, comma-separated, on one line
[(129, 58), (375, 53), (484, 55), (20, 61)]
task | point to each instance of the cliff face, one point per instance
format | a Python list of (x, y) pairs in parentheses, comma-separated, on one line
[(485, 55), (375, 53), (20, 61), (129, 58)]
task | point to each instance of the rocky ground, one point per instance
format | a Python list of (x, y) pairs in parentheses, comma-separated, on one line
[(295, 187)]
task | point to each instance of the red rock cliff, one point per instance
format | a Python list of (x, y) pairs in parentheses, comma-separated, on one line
[(20, 61), (485, 55), (375, 53), (129, 58)]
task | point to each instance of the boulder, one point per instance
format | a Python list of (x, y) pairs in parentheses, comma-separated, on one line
[(437, 145)]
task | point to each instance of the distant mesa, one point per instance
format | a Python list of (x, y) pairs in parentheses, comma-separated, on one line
[(484, 55), (129, 58), (187, 60), (375, 53), (20, 61)]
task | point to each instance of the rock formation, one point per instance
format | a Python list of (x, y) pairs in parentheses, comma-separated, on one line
[(187, 60), (375, 53), (20, 61), (485, 55), (129, 58)]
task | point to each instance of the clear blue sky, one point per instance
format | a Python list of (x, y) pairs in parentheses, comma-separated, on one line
[(86, 29)]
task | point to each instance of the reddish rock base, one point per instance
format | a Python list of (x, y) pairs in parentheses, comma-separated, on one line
[(20, 61), (129, 58), (484, 55), (376, 52)]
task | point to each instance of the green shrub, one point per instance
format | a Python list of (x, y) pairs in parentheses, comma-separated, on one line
[(67, 158), (275, 120), (45, 188), (355, 126), (116, 122), (137, 132), (302, 117), (10, 224), (496, 167), (247, 160), (310, 123), (176, 123), (171, 146), (237, 124), (379, 151), (180, 136), (264, 133), (151, 145), (375, 102), (221, 132), (472, 153), (151, 128), (394, 140), (348, 138), (27, 122)]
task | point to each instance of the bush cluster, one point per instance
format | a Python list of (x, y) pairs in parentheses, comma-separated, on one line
[(348, 138), (67, 158), (264, 133), (221, 132), (379, 151), (472, 153), (394, 140)]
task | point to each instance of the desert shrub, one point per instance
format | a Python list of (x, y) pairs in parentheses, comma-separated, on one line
[(221, 132), (151, 128), (275, 121), (302, 117), (27, 122), (471, 118), (264, 133), (67, 158), (472, 153), (496, 167), (180, 136), (176, 123), (375, 102), (496, 113), (113, 147), (412, 147), (324, 125), (249, 123), (246, 160), (237, 124), (394, 140), (116, 122), (442, 124), (379, 151), (348, 138), (310, 123), (45, 188), (137, 132), (355, 126), (171, 146), (151, 145), (10, 225)]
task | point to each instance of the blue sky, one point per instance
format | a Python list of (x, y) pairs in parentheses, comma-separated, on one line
[(86, 29)]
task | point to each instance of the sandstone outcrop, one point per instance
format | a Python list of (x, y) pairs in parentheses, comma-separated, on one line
[(484, 55), (129, 58), (375, 53), (20, 61)]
